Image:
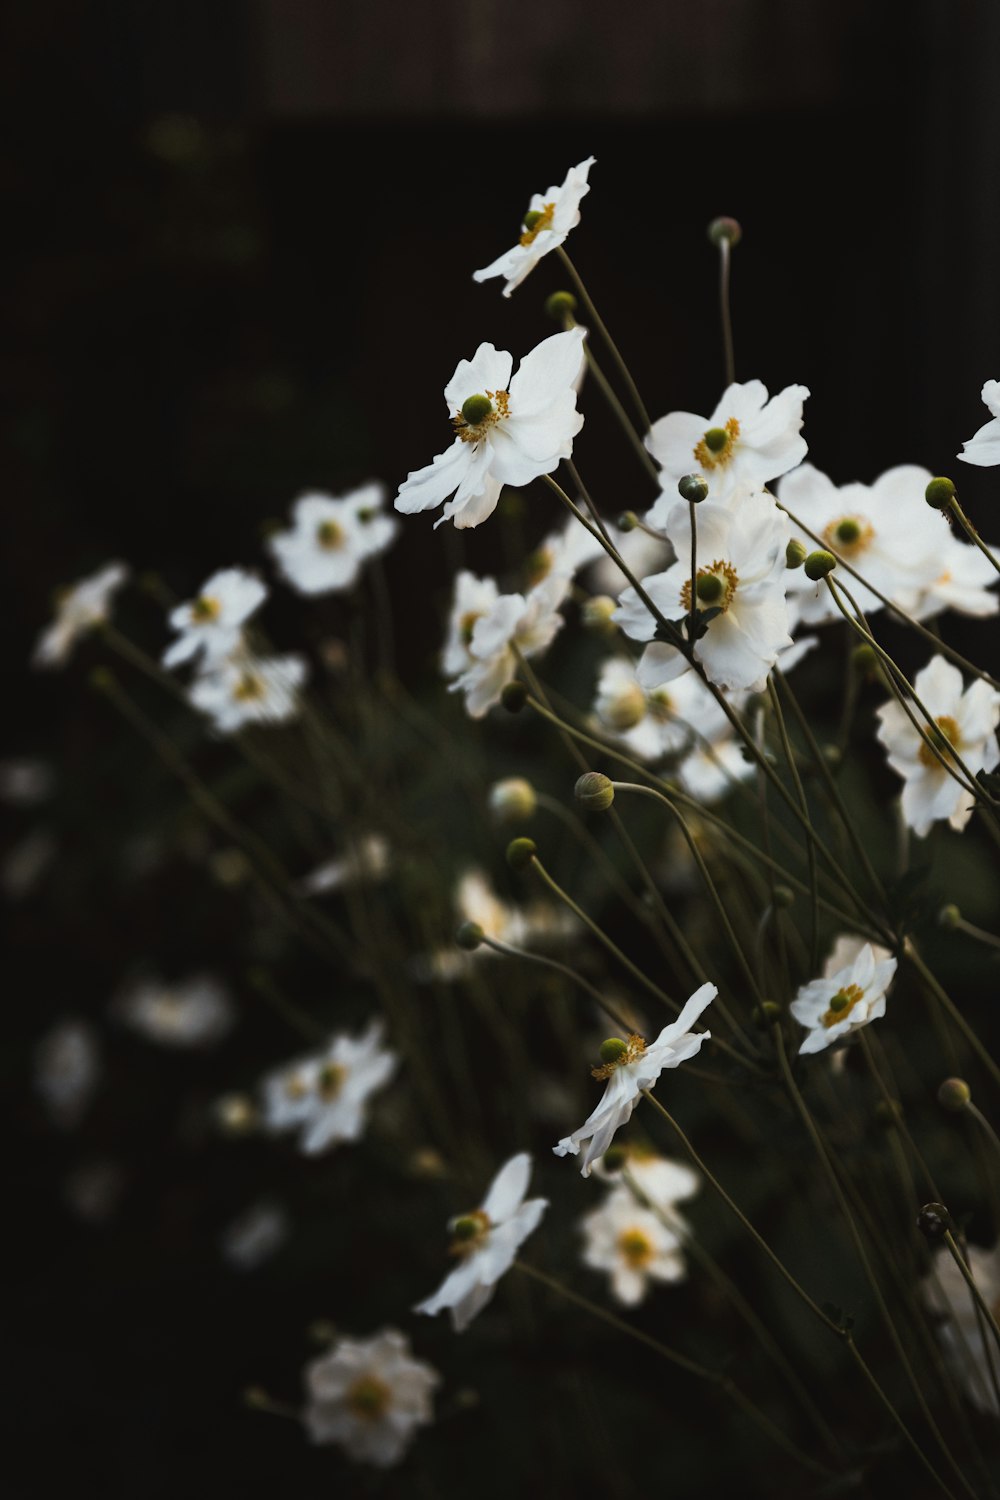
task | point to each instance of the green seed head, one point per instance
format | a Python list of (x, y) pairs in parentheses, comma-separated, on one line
[(628, 520), (716, 439), (784, 896), (560, 306), (613, 1050), (819, 564), (847, 531), (939, 493), (709, 587), (531, 218), (466, 1228), (725, 231), (469, 936), (949, 916), (476, 409)]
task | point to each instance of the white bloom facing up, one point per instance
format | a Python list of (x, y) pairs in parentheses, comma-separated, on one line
[(963, 721), (842, 1002), (486, 1241), (211, 623), (325, 1096), (507, 430), (67, 1071), (629, 1067), (369, 1396), (78, 609), (250, 690), (331, 537), (741, 572), (947, 1294), (548, 221), (528, 622), (632, 1244), (747, 441), (195, 1013), (984, 448)]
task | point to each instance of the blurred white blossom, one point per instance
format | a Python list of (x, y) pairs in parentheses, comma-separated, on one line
[(324, 1096), (68, 1070), (331, 537), (369, 1396), (195, 1012), (841, 1002), (78, 610), (211, 623)]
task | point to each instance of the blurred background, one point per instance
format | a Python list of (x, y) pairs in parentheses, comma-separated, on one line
[(238, 266)]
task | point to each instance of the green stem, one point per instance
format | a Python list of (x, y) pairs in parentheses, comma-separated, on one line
[(598, 322), (789, 754), (971, 531)]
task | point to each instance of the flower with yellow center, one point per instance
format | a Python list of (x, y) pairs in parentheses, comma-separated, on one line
[(78, 610), (369, 1396), (331, 538), (249, 690), (632, 1244), (548, 221), (210, 624), (325, 1096), (836, 1004)]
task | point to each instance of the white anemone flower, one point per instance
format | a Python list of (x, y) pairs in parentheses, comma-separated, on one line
[(963, 1328), (331, 537), (68, 1071), (211, 623), (741, 572), (565, 552), (369, 1396), (629, 1067), (548, 221), (78, 610), (847, 947), (746, 442), (965, 722), (507, 430), (324, 1096), (527, 622), (250, 690), (962, 582), (486, 1241), (472, 598), (196, 1012), (983, 449), (841, 1002), (632, 1244)]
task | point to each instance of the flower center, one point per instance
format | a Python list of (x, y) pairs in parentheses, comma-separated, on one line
[(945, 733), (660, 706), (535, 220), (850, 535), (330, 1081), (617, 1054), (368, 1398), (842, 1004), (717, 447), (204, 610), (469, 1231), (714, 587), (249, 687), (330, 535), (467, 625), (635, 1248), (479, 413)]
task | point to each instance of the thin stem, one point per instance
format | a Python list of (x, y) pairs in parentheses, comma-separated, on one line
[(977, 1297), (971, 531), (552, 963), (725, 309), (789, 753), (608, 392), (598, 322), (979, 933)]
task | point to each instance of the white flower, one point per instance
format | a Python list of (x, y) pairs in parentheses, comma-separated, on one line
[(741, 571), (565, 552), (473, 597), (660, 1179), (252, 1238), (507, 431), (632, 1244), (369, 1396), (367, 860), (195, 1013), (476, 901), (846, 949), (331, 537), (636, 1067), (529, 622), (324, 1096), (962, 580), (946, 1293), (486, 1241), (67, 1070), (78, 609), (841, 1002), (747, 441), (211, 623), (250, 690), (549, 219), (965, 722), (984, 448)]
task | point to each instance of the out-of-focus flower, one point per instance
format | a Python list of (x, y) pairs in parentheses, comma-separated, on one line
[(331, 537), (747, 441), (963, 721), (843, 1001), (963, 1332), (25, 864), (250, 690), (846, 949), (195, 1013), (257, 1234), (25, 783), (367, 860), (369, 1396), (507, 430), (78, 609), (211, 623), (983, 448), (660, 1179), (548, 221), (632, 1244), (93, 1190), (741, 572), (528, 622), (962, 582), (325, 1095), (473, 598), (68, 1070), (643, 554), (629, 1067), (486, 1241), (476, 902), (565, 552)]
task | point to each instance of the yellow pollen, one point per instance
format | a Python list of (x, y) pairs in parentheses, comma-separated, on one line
[(476, 1226), (719, 569), (544, 221), (709, 460), (330, 535), (849, 536), (634, 1049), (945, 734), (474, 432), (330, 1081), (249, 687), (368, 1398), (842, 1004), (636, 1248), (205, 610)]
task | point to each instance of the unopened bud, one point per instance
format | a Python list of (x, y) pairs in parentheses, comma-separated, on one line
[(512, 800), (520, 853), (469, 936), (594, 791), (725, 231), (819, 564), (784, 896), (934, 1221), (559, 305), (864, 658), (628, 520), (613, 1050), (949, 916), (766, 1013), (954, 1094), (597, 611), (694, 487), (513, 696), (940, 493), (795, 553)]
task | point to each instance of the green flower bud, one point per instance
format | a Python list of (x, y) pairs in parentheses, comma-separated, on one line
[(819, 564), (475, 409), (716, 438), (628, 520), (954, 1094), (559, 305), (784, 896), (949, 916), (520, 853), (940, 493), (934, 1221), (795, 553), (766, 1013), (709, 587), (613, 1050), (725, 230), (469, 936), (864, 658), (512, 800), (694, 487), (513, 696), (594, 791), (532, 217)]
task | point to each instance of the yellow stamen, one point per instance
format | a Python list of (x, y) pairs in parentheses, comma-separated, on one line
[(330, 535), (205, 610), (249, 687), (726, 573), (849, 536), (636, 1248), (469, 1232), (842, 1004), (368, 1398), (634, 1048), (544, 221), (330, 1081), (718, 459), (945, 733), (471, 432)]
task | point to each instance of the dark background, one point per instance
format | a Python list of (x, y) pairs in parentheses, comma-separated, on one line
[(237, 264)]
